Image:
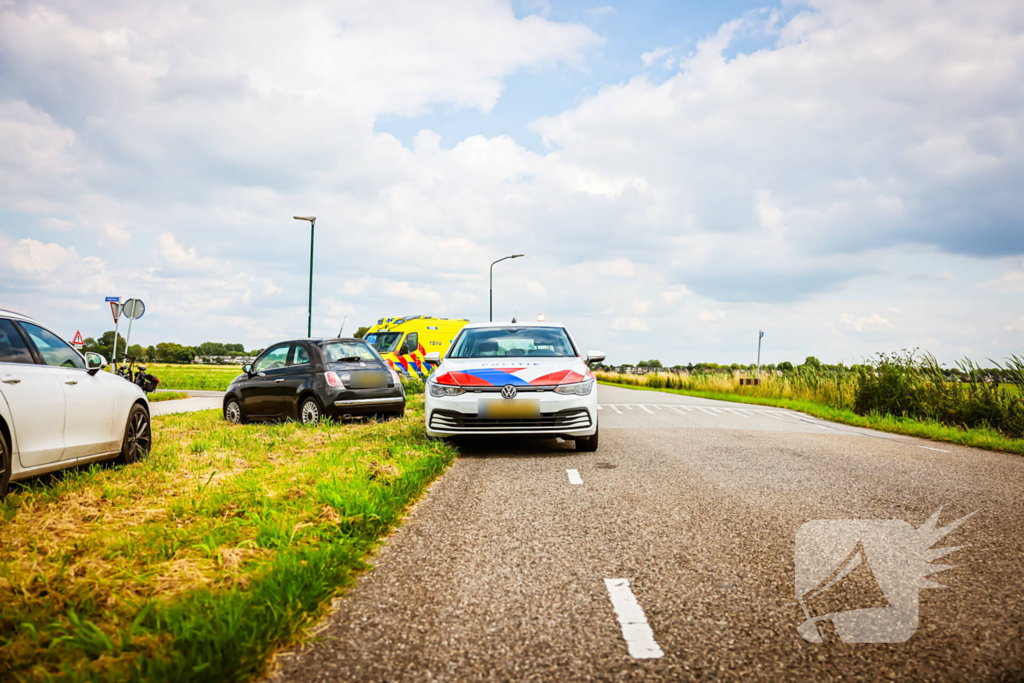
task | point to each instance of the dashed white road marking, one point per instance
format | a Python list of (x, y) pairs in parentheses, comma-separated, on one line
[(574, 477), (616, 409), (706, 411), (635, 630), (927, 448), (677, 410), (736, 412), (649, 411)]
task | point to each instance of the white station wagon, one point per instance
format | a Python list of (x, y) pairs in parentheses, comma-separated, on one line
[(57, 409)]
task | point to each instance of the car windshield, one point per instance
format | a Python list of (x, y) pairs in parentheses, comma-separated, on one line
[(513, 342), (385, 342), (336, 351)]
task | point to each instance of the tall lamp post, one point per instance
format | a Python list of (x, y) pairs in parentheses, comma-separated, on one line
[(312, 231), (492, 282)]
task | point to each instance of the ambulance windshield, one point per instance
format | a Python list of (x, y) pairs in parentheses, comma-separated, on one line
[(385, 342)]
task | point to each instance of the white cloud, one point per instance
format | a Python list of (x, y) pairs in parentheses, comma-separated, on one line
[(1010, 282), (710, 316), (871, 323), (631, 323), (654, 55)]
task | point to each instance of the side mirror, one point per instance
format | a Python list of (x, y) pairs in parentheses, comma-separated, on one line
[(94, 362), (594, 357), (247, 368), (433, 357)]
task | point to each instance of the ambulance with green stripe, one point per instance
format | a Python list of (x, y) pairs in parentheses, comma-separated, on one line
[(405, 343)]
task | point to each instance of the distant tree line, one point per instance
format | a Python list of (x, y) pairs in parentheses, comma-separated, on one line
[(164, 352)]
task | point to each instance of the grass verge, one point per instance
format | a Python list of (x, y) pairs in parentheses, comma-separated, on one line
[(987, 439), (198, 562), (158, 396)]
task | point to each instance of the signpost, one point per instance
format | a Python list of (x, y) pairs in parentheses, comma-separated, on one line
[(115, 308), (760, 336), (78, 342), (132, 309)]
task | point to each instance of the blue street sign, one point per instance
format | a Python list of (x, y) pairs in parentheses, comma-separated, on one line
[(115, 299)]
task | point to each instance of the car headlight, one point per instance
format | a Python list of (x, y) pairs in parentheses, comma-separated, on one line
[(579, 389), (440, 390)]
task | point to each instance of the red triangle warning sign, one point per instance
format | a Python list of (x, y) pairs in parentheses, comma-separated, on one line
[(78, 341)]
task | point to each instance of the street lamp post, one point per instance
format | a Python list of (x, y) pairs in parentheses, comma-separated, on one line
[(312, 231), (492, 282)]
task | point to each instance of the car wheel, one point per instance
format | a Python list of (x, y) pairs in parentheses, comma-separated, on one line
[(5, 463), (138, 436), (589, 445), (309, 411), (233, 411)]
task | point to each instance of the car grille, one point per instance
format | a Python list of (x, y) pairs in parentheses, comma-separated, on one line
[(564, 420)]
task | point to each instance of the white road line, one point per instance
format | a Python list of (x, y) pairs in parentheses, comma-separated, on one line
[(658, 407), (677, 410), (615, 409), (635, 630), (651, 412), (773, 416), (736, 412), (707, 411), (600, 407), (627, 406), (574, 477), (931, 449)]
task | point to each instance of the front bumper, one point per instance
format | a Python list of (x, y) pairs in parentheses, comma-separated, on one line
[(566, 416)]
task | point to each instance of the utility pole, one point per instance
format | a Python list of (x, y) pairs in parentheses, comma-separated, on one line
[(312, 231), (760, 335)]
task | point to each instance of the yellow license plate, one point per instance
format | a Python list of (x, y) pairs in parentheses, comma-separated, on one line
[(509, 409)]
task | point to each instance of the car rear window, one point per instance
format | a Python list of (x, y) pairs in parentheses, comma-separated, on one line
[(12, 346), (335, 351)]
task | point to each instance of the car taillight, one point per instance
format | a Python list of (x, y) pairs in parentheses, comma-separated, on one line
[(333, 379)]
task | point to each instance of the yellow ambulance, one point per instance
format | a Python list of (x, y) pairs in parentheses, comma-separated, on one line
[(405, 342)]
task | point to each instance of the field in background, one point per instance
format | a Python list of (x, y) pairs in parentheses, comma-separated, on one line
[(208, 377), (199, 561)]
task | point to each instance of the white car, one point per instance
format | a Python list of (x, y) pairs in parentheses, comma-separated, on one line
[(523, 379), (57, 409)]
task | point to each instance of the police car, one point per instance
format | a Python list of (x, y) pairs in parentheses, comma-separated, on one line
[(515, 379)]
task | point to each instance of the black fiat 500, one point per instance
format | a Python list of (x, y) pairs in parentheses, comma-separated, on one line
[(308, 379)]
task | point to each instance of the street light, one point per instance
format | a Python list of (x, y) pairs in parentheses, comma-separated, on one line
[(312, 231), (492, 282)]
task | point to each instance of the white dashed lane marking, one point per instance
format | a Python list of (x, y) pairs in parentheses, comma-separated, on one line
[(574, 477), (635, 630), (649, 411)]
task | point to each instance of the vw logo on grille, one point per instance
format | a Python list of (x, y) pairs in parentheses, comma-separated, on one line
[(508, 391)]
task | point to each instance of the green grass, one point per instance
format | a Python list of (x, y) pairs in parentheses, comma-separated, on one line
[(987, 439), (198, 562), (158, 396), (207, 377)]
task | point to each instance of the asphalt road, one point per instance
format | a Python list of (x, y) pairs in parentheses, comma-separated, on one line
[(197, 400), (501, 573)]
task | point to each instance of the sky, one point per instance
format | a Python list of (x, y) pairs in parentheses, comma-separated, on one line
[(845, 176)]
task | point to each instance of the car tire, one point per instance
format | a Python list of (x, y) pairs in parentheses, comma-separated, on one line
[(233, 411), (588, 445), (6, 462), (310, 411), (138, 436)]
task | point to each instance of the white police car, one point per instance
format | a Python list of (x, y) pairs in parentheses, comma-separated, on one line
[(522, 379)]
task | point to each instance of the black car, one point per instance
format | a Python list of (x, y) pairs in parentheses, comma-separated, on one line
[(308, 379)]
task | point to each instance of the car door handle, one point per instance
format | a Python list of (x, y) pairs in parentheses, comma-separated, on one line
[(11, 380), (70, 381), (278, 380)]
